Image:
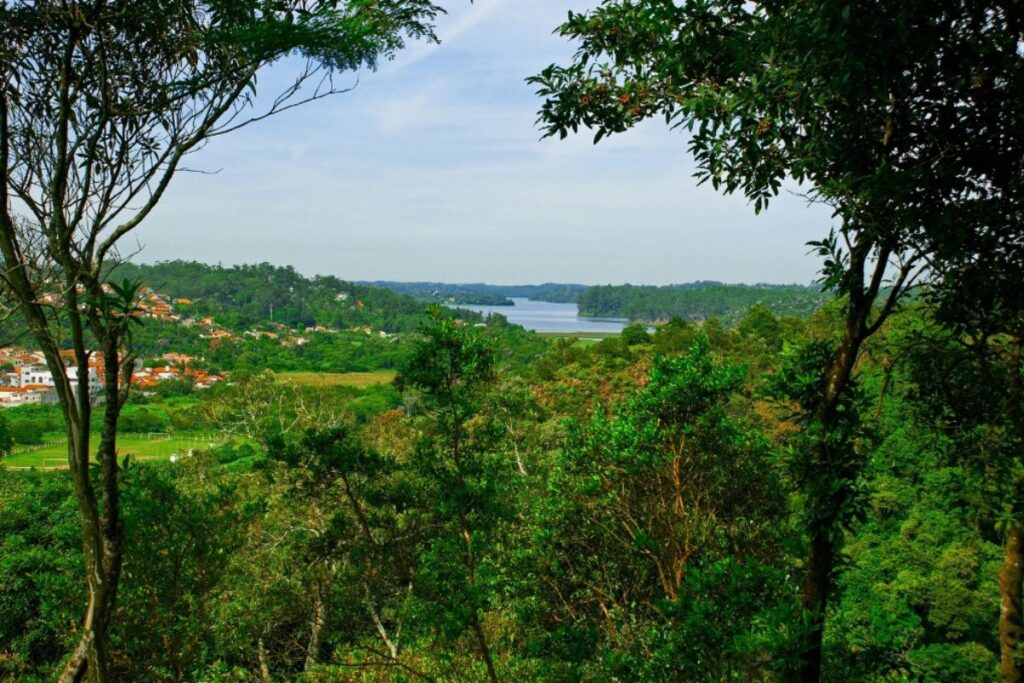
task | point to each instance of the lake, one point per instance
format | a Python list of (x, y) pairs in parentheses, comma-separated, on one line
[(543, 316)]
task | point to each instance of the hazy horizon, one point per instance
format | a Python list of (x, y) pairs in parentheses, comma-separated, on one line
[(380, 280)]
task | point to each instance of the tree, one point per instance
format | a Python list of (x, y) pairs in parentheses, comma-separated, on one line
[(6, 437), (100, 102), (40, 552), (646, 534), (978, 299), (917, 595), (905, 119), (635, 334), (181, 532), (760, 323), (354, 544), (514, 406), (463, 475), (969, 370)]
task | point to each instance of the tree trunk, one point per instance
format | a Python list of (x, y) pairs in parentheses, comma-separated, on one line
[(261, 652), (102, 546), (821, 552), (485, 651), (481, 637), (316, 630), (89, 660), (830, 455), (77, 664), (814, 599), (394, 646), (102, 533), (1011, 619)]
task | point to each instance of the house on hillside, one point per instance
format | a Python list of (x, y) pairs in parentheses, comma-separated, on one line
[(218, 335), (27, 395), (147, 378), (40, 376), (174, 358)]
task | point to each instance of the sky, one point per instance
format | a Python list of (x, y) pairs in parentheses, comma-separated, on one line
[(433, 168)]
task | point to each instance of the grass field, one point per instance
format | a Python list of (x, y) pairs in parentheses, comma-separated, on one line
[(140, 446), (582, 338), (360, 380), (580, 335)]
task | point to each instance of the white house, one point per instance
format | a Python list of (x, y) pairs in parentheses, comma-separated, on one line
[(33, 393), (39, 375)]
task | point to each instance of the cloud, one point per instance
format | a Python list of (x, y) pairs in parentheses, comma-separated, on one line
[(451, 27), (434, 169)]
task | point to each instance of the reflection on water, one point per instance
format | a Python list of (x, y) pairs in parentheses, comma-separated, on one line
[(543, 316)]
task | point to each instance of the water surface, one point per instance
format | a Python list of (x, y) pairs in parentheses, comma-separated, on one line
[(543, 316)]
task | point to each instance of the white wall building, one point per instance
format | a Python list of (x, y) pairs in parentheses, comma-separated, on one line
[(18, 396), (41, 376)]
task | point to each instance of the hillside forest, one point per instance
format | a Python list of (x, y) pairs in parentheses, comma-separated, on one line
[(624, 509)]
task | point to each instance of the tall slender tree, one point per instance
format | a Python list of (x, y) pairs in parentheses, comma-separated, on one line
[(100, 103), (906, 118)]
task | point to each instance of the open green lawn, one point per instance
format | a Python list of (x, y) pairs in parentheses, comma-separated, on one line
[(140, 446), (580, 335), (360, 380), (582, 338)]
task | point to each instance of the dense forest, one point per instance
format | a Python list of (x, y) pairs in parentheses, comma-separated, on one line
[(483, 294), (626, 509), (697, 301), (242, 296)]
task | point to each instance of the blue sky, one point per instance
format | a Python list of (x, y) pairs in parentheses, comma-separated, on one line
[(432, 168)]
